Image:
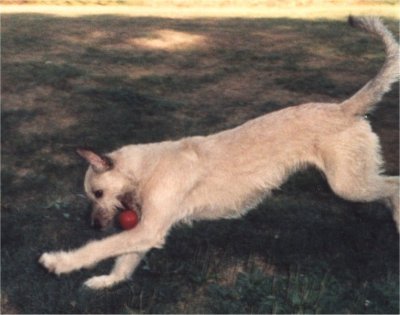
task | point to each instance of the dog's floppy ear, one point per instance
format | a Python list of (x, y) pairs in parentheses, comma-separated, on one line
[(100, 163)]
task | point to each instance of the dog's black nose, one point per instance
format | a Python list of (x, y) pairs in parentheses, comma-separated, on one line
[(96, 224)]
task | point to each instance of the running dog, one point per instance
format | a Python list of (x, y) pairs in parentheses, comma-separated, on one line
[(226, 174)]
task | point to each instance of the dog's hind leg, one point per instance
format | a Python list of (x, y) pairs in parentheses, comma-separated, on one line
[(353, 165), (123, 268), (383, 188), (394, 201)]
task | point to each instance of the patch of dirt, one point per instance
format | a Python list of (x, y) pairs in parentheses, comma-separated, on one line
[(48, 115), (62, 159), (88, 37), (30, 99), (227, 276), (52, 120)]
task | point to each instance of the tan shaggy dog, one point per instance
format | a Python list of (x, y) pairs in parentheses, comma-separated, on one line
[(226, 174)]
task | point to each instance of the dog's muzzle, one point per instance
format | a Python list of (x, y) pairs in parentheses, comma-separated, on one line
[(101, 219)]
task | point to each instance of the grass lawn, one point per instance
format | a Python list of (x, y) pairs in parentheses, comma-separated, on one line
[(105, 81)]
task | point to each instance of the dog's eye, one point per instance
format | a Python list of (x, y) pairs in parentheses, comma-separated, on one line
[(98, 194)]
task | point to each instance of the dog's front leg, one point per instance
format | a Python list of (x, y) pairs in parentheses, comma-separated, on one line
[(124, 266), (138, 240)]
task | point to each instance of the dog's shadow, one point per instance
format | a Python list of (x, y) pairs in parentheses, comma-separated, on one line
[(305, 227), (307, 230)]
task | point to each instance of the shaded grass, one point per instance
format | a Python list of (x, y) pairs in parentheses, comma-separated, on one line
[(39, 73), (302, 250), (313, 82), (301, 294)]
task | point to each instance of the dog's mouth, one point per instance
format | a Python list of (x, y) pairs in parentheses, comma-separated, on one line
[(125, 207), (102, 219), (129, 201)]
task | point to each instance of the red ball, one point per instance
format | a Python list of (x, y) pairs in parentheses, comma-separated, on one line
[(128, 219)]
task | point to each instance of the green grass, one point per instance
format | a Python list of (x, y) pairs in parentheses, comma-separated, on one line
[(300, 293), (313, 82), (303, 250), (42, 73)]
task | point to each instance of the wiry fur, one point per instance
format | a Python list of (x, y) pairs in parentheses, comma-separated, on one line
[(364, 100), (226, 174)]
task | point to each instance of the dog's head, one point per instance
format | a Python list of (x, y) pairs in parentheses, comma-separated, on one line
[(108, 188)]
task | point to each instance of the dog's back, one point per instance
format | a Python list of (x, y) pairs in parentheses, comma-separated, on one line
[(259, 155)]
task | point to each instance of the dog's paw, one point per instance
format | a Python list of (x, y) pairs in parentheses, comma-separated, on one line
[(101, 282), (57, 262)]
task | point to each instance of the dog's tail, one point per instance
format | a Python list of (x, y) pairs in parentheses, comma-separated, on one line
[(371, 93)]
